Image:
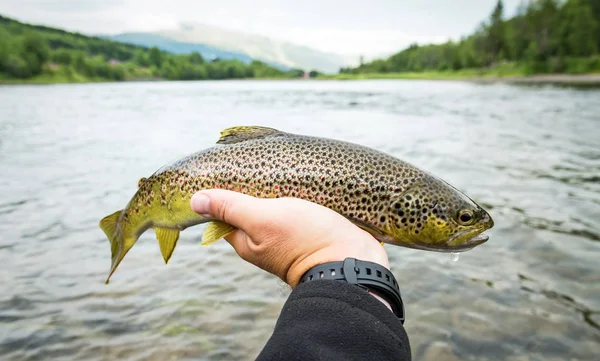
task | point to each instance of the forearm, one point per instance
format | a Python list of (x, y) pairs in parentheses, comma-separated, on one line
[(334, 320)]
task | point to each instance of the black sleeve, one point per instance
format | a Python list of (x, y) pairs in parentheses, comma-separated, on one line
[(334, 320)]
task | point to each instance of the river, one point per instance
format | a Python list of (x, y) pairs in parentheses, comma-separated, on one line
[(71, 154)]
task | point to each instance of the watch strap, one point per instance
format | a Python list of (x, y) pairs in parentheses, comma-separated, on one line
[(364, 274)]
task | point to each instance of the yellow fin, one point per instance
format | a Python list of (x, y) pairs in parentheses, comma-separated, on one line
[(109, 224), (215, 231), (118, 245), (243, 133), (382, 244), (167, 240)]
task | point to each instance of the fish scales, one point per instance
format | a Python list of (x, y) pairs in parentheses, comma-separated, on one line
[(395, 201)]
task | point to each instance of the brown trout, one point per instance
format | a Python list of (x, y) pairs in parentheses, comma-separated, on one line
[(393, 200)]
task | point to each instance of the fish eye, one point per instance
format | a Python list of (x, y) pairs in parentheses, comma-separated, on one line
[(465, 217)]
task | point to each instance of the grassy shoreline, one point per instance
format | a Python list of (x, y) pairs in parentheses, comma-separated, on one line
[(476, 76), (470, 76)]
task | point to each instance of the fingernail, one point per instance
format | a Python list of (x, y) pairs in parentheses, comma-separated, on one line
[(201, 204)]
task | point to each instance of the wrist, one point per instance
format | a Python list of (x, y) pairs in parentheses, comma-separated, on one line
[(380, 299), (374, 278)]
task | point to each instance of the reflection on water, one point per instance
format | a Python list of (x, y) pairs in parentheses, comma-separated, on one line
[(71, 154)]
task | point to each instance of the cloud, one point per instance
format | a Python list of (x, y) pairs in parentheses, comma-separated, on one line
[(365, 27)]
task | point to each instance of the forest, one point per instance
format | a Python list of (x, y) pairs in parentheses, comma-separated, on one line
[(544, 36), (38, 53)]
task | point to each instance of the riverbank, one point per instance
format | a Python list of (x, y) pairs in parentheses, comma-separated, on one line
[(592, 79), (472, 76)]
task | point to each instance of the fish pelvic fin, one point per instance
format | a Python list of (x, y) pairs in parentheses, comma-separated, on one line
[(242, 133), (167, 240), (215, 231)]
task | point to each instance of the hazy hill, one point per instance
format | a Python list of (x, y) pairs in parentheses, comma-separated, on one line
[(258, 47), (177, 47)]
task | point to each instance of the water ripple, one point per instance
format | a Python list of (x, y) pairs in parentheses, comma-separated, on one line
[(530, 155)]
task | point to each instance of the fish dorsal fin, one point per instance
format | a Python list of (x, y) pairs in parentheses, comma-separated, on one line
[(243, 133), (215, 231), (167, 240), (109, 224)]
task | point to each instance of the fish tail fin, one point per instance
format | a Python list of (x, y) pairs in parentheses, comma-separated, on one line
[(119, 246)]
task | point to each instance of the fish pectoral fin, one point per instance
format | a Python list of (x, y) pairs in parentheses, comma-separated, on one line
[(215, 231), (369, 229), (243, 133), (382, 244), (109, 224), (167, 240)]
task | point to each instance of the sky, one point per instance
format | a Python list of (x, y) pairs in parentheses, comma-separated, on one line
[(369, 28)]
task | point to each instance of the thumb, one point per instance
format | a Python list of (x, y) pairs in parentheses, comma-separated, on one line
[(234, 208)]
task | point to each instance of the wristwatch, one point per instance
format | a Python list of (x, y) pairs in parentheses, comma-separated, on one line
[(367, 275)]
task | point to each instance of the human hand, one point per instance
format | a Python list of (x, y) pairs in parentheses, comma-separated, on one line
[(287, 236)]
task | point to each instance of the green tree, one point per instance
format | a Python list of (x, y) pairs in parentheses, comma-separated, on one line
[(543, 19), (6, 47), (62, 56), (578, 29), (595, 7), (195, 58), (35, 52), (496, 32), (141, 58), (156, 57), (517, 34)]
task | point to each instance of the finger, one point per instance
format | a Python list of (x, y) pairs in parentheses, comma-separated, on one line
[(233, 208)]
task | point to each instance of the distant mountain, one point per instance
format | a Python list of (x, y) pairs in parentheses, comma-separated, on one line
[(177, 47), (258, 47)]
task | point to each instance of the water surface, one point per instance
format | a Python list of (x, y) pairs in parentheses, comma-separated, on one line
[(71, 154)]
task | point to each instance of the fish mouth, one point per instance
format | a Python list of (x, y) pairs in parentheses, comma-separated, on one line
[(457, 242), (471, 243)]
